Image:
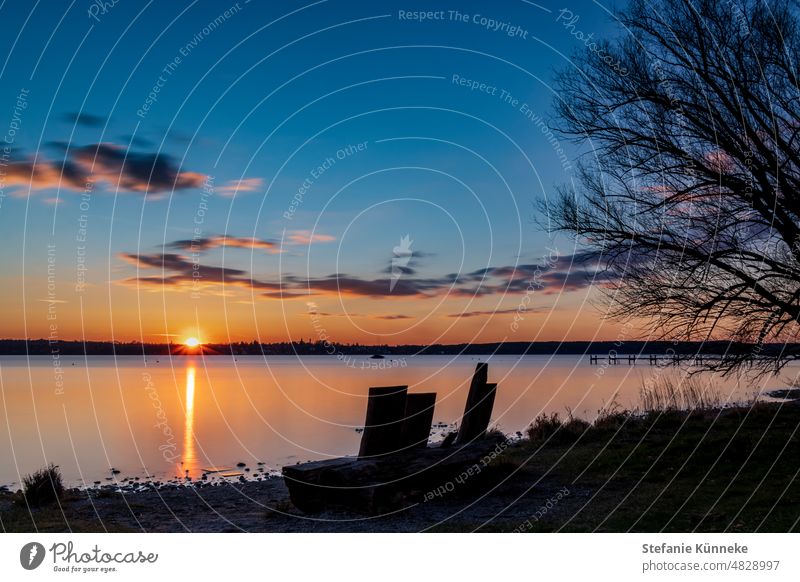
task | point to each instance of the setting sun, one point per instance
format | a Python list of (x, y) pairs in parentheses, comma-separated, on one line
[(192, 342)]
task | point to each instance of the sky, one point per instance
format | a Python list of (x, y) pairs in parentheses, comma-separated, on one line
[(352, 171)]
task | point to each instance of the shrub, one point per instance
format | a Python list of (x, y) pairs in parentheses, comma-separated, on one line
[(611, 417), (555, 430), (543, 427), (495, 433), (43, 486), (574, 429)]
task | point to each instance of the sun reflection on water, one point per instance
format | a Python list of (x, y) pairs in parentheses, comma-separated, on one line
[(189, 459)]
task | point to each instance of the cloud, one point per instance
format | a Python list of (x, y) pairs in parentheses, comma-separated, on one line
[(395, 267), (178, 270), (135, 172), (180, 264), (202, 244), (561, 274), (85, 119), (244, 185), (570, 273), (306, 237), (316, 313), (104, 162), (389, 317), (343, 284), (40, 175), (571, 281), (283, 294), (488, 312), (404, 270)]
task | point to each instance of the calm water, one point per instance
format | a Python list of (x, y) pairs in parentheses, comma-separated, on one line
[(164, 417)]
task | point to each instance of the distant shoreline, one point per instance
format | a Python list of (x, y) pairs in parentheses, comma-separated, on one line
[(37, 347)]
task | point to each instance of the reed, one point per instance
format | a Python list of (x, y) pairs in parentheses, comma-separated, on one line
[(668, 393)]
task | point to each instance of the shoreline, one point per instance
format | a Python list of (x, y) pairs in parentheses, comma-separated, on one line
[(723, 469)]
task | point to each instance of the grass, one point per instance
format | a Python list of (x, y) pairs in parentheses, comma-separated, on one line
[(43, 487), (682, 462), (726, 474)]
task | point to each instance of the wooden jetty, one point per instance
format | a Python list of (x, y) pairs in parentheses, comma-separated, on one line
[(612, 359), (395, 466)]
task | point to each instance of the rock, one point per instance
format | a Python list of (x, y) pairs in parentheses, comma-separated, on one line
[(785, 393)]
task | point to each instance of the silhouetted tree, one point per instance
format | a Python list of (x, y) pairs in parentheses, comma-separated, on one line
[(690, 190)]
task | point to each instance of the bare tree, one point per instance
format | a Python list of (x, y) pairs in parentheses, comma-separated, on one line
[(690, 190)]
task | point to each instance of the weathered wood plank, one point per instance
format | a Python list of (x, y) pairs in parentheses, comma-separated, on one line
[(418, 420), (383, 427), (478, 409)]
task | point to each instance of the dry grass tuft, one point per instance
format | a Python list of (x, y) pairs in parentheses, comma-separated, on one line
[(44, 486)]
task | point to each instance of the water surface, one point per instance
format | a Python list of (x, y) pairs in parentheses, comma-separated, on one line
[(171, 417)]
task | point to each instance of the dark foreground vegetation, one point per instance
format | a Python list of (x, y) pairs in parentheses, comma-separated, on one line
[(42, 487), (716, 469)]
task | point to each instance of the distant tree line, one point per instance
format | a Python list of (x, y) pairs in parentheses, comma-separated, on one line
[(40, 347)]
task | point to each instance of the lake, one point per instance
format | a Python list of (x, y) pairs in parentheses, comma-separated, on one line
[(171, 417)]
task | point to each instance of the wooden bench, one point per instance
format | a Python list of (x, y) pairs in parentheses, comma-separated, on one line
[(395, 467)]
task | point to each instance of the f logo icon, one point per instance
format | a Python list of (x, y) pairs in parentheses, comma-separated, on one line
[(31, 555)]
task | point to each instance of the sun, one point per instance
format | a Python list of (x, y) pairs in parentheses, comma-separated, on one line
[(191, 342)]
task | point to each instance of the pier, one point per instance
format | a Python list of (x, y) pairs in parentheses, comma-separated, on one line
[(612, 359)]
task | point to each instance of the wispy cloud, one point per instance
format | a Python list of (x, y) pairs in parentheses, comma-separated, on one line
[(244, 185), (306, 237), (485, 313), (202, 244)]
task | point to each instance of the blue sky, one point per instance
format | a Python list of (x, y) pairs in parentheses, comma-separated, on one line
[(449, 114)]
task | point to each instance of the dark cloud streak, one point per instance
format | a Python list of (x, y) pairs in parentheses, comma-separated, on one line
[(85, 119), (515, 279)]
